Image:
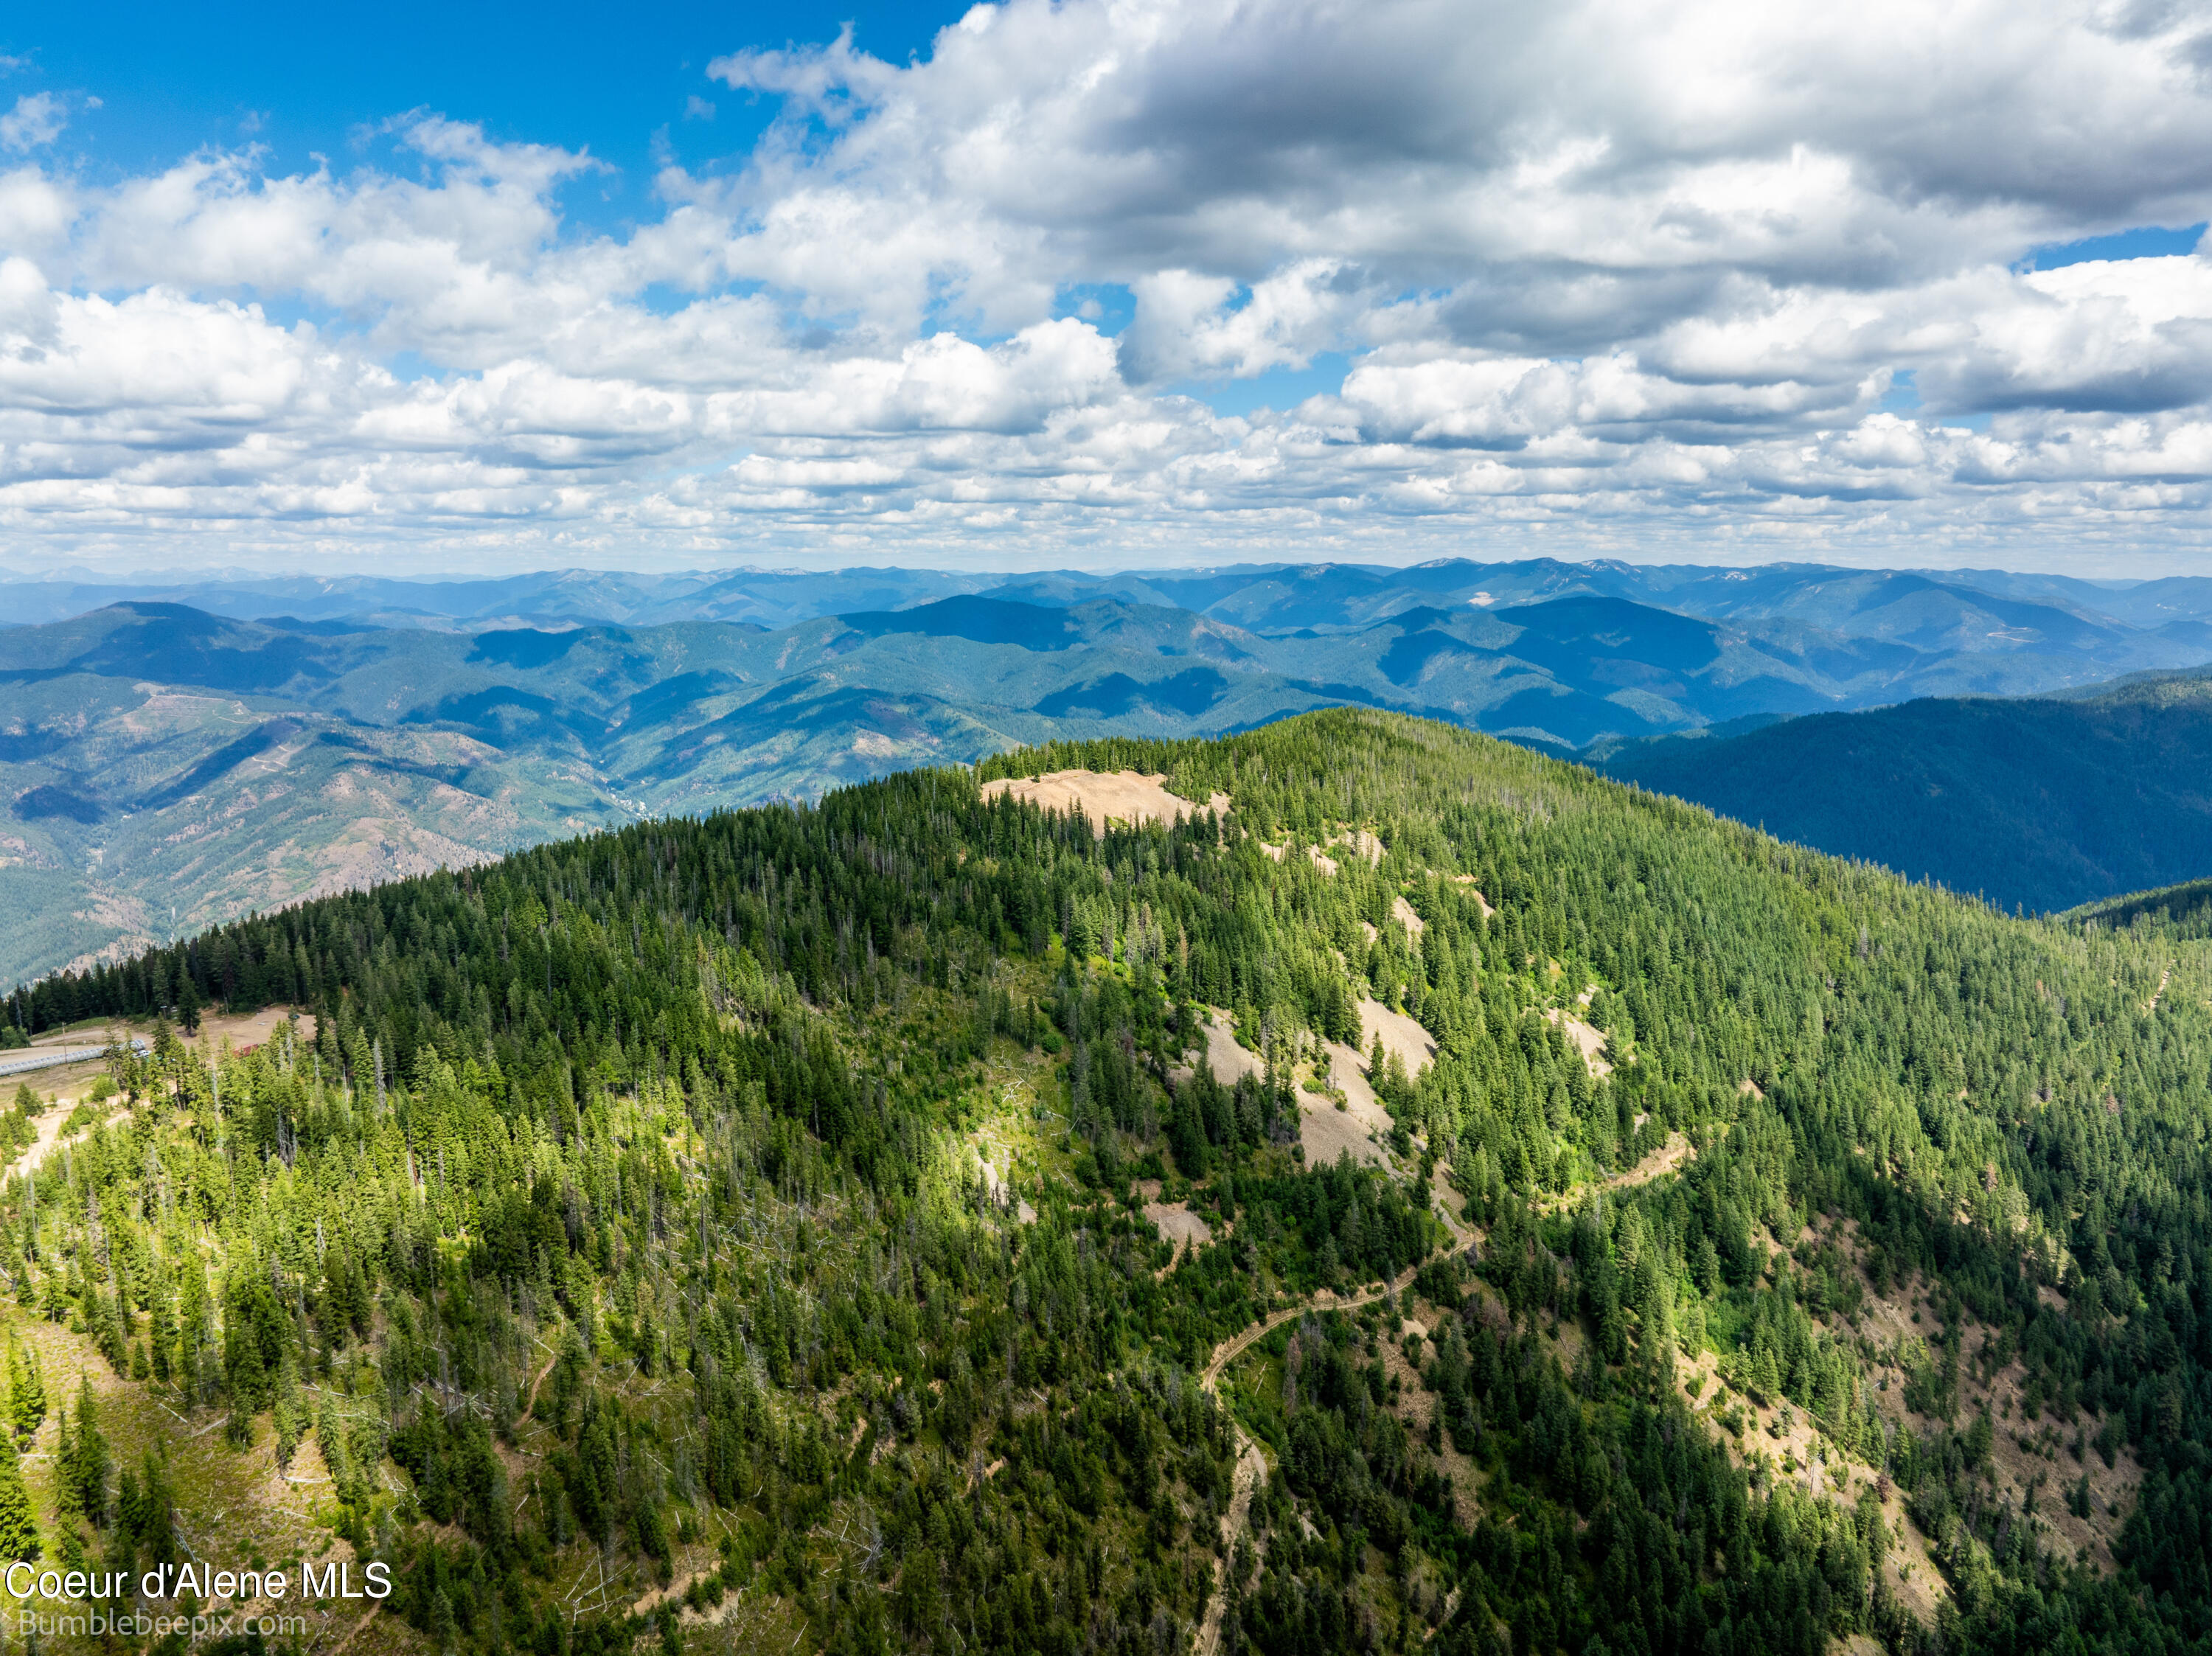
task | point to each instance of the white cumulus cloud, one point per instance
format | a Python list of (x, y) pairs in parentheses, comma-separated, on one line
[(1687, 279), (37, 119)]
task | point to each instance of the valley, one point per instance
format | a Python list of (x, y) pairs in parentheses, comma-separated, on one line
[(173, 758)]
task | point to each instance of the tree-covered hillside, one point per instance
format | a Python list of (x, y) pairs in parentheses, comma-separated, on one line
[(2179, 911), (752, 1233), (2035, 802)]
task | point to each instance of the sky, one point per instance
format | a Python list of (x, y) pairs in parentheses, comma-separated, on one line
[(1109, 282)]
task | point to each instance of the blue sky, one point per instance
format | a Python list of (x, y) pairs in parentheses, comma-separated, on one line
[(2142, 241), (629, 85), (616, 80), (1155, 281)]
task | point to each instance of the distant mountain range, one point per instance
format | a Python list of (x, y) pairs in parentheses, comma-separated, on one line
[(172, 757), (2039, 803), (2051, 629)]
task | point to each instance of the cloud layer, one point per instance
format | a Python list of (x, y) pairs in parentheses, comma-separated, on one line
[(1690, 280)]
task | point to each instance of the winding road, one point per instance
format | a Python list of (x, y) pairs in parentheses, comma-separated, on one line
[(1251, 1463)]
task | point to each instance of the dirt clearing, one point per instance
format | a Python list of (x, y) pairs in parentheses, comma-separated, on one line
[(1327, 1132), (1415, 1047), (1588, 1041), (1176, 1224), (1125, 797), (1224, 1056), (1416, 1406), (2040, 1455), (1480, 901), (242, 1031), (67, 1085), (1668, 1158), (1362, 844), (1795, 1452)]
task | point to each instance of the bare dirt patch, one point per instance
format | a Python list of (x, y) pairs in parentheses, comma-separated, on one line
[(1891, 1339), (2044, 1462), (1124, 797), (1667, 1158), (1903, 1327), (1251, 1459), (67, 1085), (50, 1132), (1795, 1453), (1588, 1041), (241, 1029), (1251, 1467), (1362, 844), (1450, 1200), (1402, 911), (1417, 1405), (670, 1593), (1415, 1047), (992, 1179), (1480, 901), (1001, 1191), (1347, 1070), (1327, 1132), (250, 1029), (1781, 1443), (1224, 1056), (1176, 1224)]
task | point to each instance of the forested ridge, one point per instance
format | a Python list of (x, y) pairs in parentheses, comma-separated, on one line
[(622, 1211), (2036, 802)]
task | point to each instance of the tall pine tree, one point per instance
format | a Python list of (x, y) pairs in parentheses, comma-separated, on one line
[(19, 1524), (26, 1390)]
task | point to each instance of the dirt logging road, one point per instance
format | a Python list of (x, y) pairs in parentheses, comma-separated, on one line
[(1251, 1462)]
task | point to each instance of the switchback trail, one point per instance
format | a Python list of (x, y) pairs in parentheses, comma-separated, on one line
[(1251, 1464)]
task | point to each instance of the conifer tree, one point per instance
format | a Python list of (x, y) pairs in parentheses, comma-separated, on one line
[(289, 1410), (65, 1489), (19, 1525), (83, 1458), (163, 1337), (26, 1390), (155, 1525)]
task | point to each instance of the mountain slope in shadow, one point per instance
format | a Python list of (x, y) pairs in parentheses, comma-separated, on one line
[(2043, 804)]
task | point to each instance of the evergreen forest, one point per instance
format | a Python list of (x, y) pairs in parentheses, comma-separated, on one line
[(888, 1224)]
